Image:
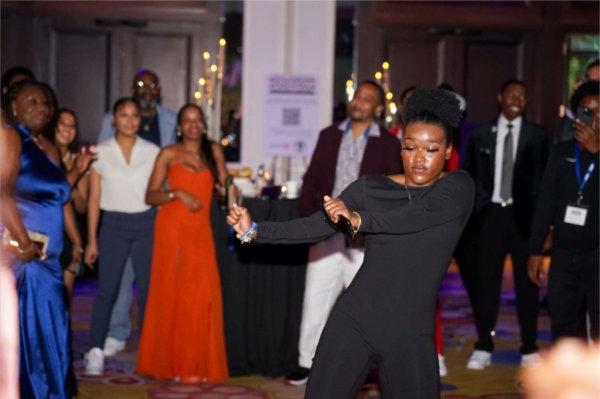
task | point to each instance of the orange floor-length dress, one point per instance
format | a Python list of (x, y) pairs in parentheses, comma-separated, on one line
[(182, 336)]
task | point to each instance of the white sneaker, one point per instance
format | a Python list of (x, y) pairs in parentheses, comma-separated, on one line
[(442, 366), (94, 362), (530, 359), (479, 360), (112, 346)]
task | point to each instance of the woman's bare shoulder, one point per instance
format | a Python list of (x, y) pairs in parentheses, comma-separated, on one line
[(169, 153), (10, 136)]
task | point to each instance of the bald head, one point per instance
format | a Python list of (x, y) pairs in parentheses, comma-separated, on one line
[(146, 89)]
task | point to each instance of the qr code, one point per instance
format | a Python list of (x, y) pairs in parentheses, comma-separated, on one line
[(291, 116)]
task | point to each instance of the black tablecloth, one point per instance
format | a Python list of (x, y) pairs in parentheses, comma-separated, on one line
[(262, 287)]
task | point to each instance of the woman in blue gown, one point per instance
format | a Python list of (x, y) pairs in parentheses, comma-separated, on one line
[(35, 196)]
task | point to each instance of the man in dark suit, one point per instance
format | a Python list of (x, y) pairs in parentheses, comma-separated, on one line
[(506, 158), (356, 147)]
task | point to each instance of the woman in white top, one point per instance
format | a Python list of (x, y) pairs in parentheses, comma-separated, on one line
[(118, 182)]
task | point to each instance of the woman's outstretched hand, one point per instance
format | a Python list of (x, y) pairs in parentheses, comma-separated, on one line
[(239, 218), (84, 159), (335, 208)]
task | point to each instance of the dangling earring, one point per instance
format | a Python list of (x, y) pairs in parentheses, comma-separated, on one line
[(178, 132)]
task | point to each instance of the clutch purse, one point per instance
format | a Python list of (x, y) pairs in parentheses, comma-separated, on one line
[(343, 225), (39, 239)]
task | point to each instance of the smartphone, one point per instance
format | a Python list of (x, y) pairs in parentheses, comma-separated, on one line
[(585, 116), (343, 225)]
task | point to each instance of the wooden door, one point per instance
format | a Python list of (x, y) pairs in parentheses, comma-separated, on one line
[(414, 62), (169, 56), (488, 64), (81, 77)]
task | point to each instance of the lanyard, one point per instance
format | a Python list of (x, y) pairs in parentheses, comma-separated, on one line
[(365, 134), (586, 178)]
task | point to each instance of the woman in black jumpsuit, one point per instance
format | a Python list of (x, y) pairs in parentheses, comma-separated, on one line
[(411, 224)]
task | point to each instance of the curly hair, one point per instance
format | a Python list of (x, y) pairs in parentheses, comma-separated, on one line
[(589, 88), (435, 106)]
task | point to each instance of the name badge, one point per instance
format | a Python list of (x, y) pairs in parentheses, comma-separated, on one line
[(576, 214)]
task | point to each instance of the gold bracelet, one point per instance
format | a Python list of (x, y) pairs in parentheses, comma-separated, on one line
[(355, 229)]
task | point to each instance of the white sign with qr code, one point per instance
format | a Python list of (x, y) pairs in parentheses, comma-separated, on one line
[(291, 115)]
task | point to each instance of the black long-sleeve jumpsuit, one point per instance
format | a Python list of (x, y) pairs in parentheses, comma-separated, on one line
[(387, 313)]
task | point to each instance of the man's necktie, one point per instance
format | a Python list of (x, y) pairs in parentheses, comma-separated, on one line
[(507, 166)]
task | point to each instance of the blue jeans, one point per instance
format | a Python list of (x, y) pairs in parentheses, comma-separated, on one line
[(121, 236), (120, 319)]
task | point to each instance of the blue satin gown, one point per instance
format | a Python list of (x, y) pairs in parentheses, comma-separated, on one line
[(40, 192)]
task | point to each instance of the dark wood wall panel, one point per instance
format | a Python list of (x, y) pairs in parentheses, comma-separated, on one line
[(488, 65), (479, 45), (90, 52), (83, 59), (414, 63)]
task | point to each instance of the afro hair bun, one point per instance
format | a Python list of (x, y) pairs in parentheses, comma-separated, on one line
[(438, 102)]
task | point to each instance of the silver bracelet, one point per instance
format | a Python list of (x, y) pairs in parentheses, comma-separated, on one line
[(247, 237), (355, 229)]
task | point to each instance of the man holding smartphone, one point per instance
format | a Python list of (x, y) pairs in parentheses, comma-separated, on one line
[(568, 201)]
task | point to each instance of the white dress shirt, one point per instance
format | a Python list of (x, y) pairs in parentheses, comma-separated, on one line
[(501, 132), (122, 185)]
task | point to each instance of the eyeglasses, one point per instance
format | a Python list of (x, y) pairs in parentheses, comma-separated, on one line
[(141, 84)]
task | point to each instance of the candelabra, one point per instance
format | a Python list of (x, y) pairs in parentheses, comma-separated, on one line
[(383, 78), (209, 89)]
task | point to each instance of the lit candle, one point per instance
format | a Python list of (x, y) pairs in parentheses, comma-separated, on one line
[(206, 57), (221, 60), (386, 76), (205, 89), (218, 90)]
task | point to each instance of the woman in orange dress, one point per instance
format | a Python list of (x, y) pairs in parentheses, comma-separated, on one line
[(182, 336)]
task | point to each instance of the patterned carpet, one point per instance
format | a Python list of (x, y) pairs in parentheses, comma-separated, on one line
[(500, 381)]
